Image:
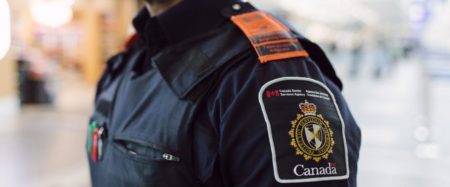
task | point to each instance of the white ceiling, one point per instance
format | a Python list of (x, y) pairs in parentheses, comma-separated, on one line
[(379, 15), (388, 18)]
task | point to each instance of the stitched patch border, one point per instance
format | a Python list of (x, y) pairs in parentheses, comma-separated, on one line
[(322, 123)]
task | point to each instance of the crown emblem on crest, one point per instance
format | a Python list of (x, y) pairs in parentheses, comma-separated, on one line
[(308, 108)]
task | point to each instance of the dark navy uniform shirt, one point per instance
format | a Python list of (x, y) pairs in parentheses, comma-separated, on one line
[(190, 104)]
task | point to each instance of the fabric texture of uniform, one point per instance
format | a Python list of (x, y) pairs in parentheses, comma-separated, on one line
[(190, 104)]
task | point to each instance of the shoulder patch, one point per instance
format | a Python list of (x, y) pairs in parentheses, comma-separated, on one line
[(306, 131), (271, 39)]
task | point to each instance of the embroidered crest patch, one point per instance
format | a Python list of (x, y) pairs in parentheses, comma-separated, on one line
[(306, 131), (311, 134)]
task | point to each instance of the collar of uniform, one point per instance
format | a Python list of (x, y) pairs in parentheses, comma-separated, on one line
[(190, 18), (184, 65), (187, 19), (149, 31)]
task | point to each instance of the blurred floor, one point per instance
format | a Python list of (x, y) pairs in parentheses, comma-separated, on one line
[(43, 146), (403, 117)]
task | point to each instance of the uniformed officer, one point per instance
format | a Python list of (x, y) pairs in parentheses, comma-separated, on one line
[(217, 93)]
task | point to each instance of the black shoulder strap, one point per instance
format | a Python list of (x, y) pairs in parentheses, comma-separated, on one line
[(108, 86)]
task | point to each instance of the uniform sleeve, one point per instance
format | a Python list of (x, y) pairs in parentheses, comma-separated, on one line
[(257, 145)]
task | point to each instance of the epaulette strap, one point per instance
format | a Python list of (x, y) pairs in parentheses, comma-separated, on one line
[(271, 39)]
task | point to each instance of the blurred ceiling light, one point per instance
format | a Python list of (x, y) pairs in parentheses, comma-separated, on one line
[(52, 13), (331, 11), (318, 32), (69, 2), (361, 12), (418, 13), (5, 28), (436, 32)]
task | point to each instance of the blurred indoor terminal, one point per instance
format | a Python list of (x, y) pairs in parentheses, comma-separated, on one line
[(393, 57)]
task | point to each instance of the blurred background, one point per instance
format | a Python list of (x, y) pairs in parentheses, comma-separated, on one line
[(393, 57)]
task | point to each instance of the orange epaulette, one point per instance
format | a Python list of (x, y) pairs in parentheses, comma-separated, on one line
[(271, 39)]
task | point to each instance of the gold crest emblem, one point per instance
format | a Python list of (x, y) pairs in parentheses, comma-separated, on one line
[(311, 135)]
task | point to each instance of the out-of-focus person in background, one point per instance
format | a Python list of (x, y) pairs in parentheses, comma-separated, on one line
[(219, 93), (36, 71), (357, 57)]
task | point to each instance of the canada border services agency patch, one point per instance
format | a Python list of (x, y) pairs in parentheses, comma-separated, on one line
[(306, 131)]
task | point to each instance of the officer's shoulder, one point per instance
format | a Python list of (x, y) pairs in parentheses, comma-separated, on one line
[(118, 62), (272, 40)]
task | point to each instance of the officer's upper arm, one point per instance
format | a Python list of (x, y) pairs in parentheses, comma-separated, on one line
[(278, 126)]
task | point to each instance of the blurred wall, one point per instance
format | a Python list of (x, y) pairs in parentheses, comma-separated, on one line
[(97, 30), (92, 54), (8, 88), (7, 78), (101, 38)]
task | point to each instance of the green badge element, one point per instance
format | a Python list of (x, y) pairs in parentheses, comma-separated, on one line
[(92, 126)]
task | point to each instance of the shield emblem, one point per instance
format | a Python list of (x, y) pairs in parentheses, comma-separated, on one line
[(314, 135)]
